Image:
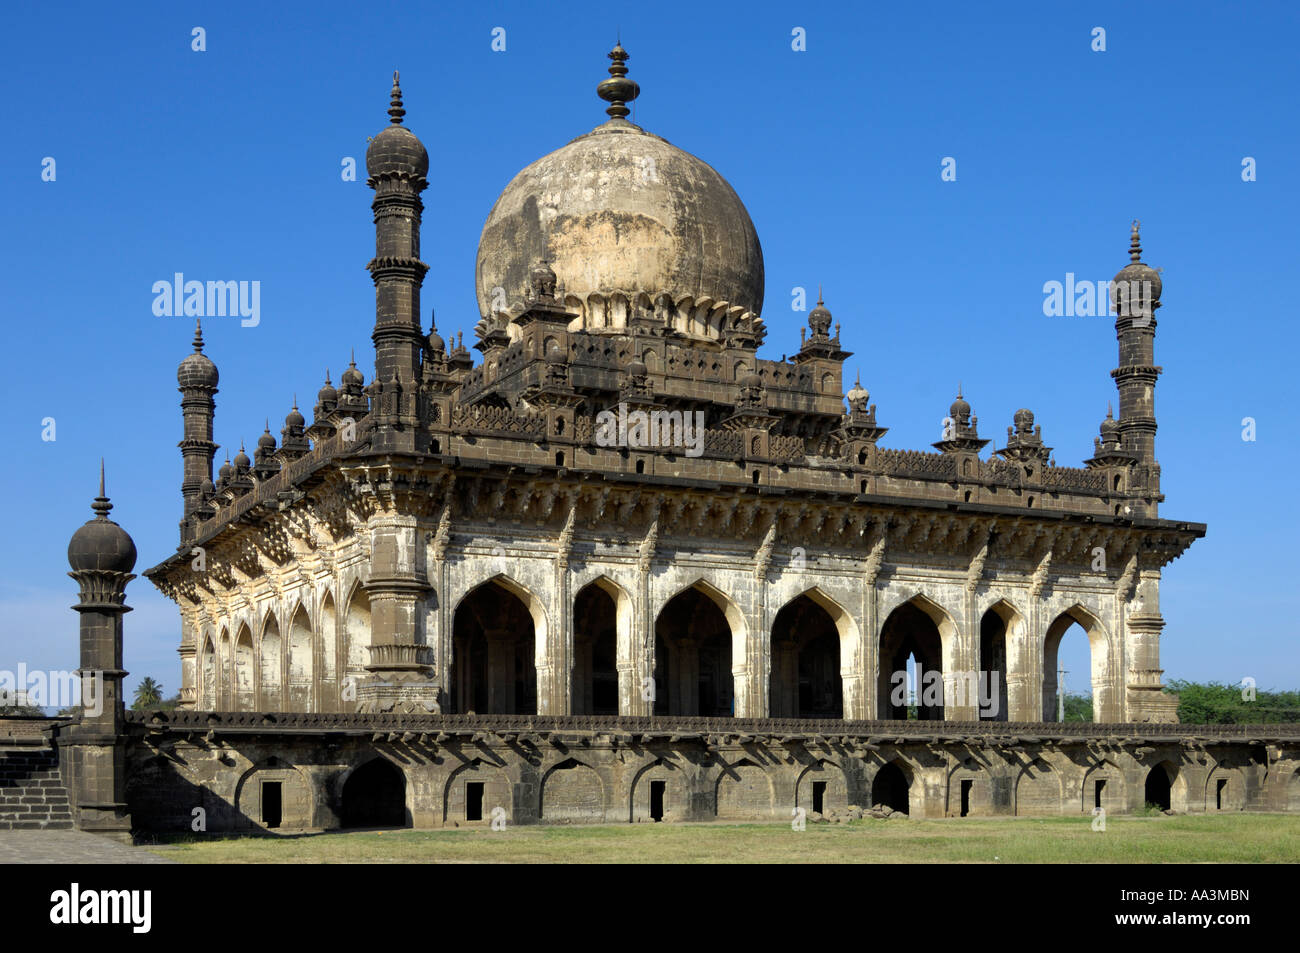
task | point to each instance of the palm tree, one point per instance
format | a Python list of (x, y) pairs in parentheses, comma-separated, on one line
[(147, 694)]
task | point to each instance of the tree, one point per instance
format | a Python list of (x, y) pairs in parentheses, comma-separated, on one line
[(147, 694)]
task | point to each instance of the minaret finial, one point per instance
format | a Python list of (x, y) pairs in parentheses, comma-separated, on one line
[(396, 110), (959, 390), (1135, 243), (618, 90), (819, 293), (101, 506), (198, 335)]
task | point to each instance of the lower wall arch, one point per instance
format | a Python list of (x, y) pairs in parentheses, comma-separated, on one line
[(822, 787), (743, 792), (478, 788), (572, 793), (267, 806), (1038, 789)]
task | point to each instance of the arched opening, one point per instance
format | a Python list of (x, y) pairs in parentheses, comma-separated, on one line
[(494, 639), (209, 675), (595, 652), (911, 635), (270, 686), (329, 675), (1075, 653), (245, 693), (805, 663), (357, 642), (693, 657), (374, 795), (300, 661), (1159, 786), (991, 679), (891, 788)]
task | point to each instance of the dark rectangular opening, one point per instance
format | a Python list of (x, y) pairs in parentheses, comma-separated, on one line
[(272, 803), (965, 796), (1097, 788), (819, 797), (473, 800), (1220, 787), (657, 800)]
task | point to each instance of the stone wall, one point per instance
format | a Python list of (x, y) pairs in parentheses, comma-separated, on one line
[(532, 770), (33, 795)]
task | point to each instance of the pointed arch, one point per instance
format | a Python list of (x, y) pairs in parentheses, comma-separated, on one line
[(270, 669), (225, 672), (1106, 700), (499, 630), (700, 652), (916, 628), (357, 639), (301, 639), (245, 684), (1000, 640), (814, 641), (891, 786), (602, 666), (208, 674)]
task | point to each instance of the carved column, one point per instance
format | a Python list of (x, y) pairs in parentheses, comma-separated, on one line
[(401, 665), (871, 622), (1146, 699)]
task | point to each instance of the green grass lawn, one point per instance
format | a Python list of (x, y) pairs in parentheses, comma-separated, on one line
[(1237, 838)]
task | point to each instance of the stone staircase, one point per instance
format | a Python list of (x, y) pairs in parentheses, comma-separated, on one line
[(32, 795)]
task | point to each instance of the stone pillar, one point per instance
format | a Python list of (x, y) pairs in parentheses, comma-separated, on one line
[(751, 673), (1025, 667), (102, 556), (959, 666), (1147, 702), (555, 655), (401, 666), (188, 652), (869, 655)]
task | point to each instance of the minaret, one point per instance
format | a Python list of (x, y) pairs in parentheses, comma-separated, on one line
[(397, 164), (197, 380), (1135, 293), (102, 556)]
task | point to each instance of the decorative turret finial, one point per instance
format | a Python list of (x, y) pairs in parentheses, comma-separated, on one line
[(198, 335), (101, 506), (396, 110), (618, 90), (1135, 243)]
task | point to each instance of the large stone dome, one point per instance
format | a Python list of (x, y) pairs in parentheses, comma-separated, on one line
[(620, 211)]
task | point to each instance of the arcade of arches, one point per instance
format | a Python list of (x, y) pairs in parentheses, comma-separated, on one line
[(696, 660)]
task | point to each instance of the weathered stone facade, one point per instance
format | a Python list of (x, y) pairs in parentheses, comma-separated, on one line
[(473, 587)]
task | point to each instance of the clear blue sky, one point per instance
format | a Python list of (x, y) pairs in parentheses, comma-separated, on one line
[(226, 164)]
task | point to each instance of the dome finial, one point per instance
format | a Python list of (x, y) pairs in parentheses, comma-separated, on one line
[(396, 110), (618, 90), (1135, 243), (198, 335), (101, 506)]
